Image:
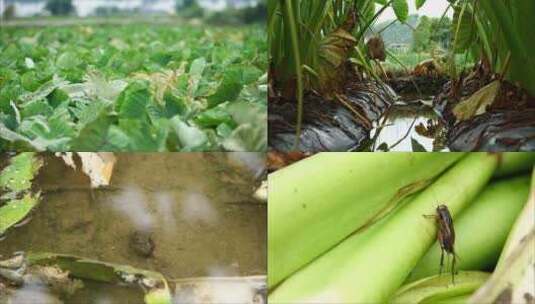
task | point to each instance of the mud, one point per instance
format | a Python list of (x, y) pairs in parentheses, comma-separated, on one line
[(194, 212)]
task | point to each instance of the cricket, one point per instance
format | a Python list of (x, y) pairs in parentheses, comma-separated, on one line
[(445, 236)]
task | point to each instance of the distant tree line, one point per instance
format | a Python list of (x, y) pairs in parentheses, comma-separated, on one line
[(231, 15), (59, 7)]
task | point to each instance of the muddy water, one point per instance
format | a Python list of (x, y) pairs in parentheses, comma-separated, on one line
[(401, 127), (196, 208)]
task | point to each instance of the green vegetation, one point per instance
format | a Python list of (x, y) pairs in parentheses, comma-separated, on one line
[(311, 40), (17, 199), (432, 33), (138, 87), (498, 33), (359, 240)]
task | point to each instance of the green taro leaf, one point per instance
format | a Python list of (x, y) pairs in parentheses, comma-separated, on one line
[(68, 60), (229, 89), (16, 210), (214, 117), (93, 137), (134, 99)]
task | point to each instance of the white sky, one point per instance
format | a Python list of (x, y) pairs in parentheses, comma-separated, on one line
[(432, 8)]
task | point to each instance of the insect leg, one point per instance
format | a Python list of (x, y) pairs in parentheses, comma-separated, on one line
[(453, 269), (441, 260)]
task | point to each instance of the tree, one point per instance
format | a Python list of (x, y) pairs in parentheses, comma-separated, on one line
[(9, 12), (256, 13), (183, 4), (422, 35), (189, 9), (59, 7), (430, 33)]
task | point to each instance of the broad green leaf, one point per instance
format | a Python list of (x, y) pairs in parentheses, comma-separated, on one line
[(133, 100), (401, 9), (83, 268), (419, 3), (16, 210), (214, 117), (144, 137), (68, 60), (18, 175), (195, 72), (464, 26), (93, 137), (229, 89)]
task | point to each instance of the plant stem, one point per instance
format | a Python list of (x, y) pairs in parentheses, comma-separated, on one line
[(369, 267)]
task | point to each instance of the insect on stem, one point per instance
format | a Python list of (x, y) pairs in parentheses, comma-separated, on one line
[(445, 237)]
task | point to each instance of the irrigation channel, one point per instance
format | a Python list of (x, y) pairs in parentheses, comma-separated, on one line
[(398, 116), (190, 217)]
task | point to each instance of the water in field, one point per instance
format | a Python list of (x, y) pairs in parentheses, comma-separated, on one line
[(197, 210), (410, 124)]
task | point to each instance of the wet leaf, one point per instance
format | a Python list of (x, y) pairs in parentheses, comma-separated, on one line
[(401, 9), (16, 210), (18, 175), (153, 283), (477, 104)]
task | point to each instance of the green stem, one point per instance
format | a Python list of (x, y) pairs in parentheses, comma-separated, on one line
[(308, 216), (369, 267)]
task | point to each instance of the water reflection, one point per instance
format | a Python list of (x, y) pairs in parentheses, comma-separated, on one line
[(402, 126)]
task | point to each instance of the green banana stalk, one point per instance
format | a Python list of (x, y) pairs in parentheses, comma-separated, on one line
[(316, 203), (514, 276), (370, 266), (514, 163), (440, 289), (481, 230)]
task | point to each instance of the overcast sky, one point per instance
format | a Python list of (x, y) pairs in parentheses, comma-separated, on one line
[(432, 8)]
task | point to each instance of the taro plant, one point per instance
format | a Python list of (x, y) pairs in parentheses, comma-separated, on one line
[(502, 33), (310, 42)]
